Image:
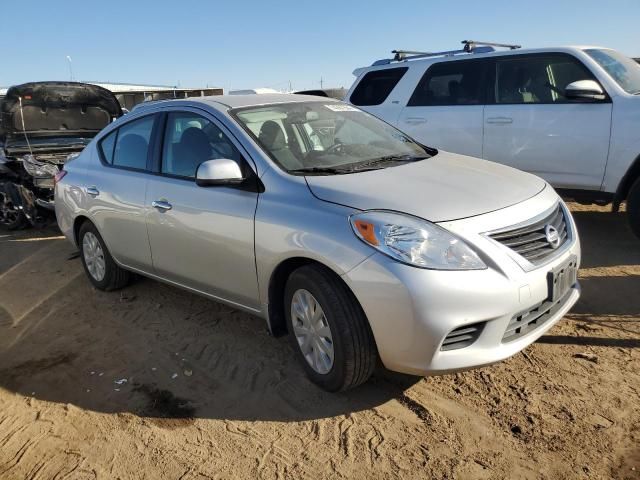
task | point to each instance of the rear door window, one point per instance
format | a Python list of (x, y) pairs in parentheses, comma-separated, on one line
[(451, 83), (132, 144), (107, 146), (375, 87)]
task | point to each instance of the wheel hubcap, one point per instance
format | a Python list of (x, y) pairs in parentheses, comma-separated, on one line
[(312, 331), (93, 256)]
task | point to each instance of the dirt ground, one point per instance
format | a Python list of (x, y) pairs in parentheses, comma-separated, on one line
[(156, 383)]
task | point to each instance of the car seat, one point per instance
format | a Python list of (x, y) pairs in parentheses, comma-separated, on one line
[(131, 151), (272, 138), (192, 149)]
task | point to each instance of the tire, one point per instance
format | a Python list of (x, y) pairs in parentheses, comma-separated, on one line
[(633, 207), (351, 340), (113, 277), (10, 216), (18, 223)]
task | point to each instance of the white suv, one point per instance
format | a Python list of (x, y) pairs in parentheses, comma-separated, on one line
[(570, 115)]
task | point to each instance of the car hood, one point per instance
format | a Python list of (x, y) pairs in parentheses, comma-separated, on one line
[(57, 109), (441, 188)]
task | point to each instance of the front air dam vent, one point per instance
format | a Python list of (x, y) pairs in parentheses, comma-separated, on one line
[(462, 336)]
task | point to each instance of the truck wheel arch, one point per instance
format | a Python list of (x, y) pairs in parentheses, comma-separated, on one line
[(625, 184)]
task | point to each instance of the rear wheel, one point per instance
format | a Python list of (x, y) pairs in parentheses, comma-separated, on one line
[(102, 270), (330, 332), (633, 207)]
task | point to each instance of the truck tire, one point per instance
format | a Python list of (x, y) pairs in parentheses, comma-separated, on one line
[(633, 207)]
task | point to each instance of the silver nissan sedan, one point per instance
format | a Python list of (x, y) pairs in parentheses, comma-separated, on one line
[(332, 225)]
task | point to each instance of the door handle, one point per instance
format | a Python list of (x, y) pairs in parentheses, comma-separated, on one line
[(161, 205), (500, 120), (415, 120), (93, 191)]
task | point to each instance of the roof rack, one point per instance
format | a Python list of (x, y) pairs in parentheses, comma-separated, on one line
[(470, 46)]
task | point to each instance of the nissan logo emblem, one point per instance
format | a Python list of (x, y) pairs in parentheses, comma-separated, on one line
[(552, 236)]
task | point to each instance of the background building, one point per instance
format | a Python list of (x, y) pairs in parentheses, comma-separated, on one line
[(130, 95)]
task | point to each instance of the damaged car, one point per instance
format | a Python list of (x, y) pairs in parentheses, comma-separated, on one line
[(42, 126)]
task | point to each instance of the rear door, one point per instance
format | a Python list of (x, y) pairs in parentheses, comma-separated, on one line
[(446, 109), (201, 237), (115, 189), (532, 126)]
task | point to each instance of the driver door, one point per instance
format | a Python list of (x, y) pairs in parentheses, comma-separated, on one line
[(201, 237)]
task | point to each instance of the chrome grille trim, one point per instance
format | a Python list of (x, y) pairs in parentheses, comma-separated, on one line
[(529, 240)]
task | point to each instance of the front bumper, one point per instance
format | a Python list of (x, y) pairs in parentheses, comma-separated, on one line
[(411, 310)]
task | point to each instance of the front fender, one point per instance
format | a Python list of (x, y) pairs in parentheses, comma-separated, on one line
[(308, 228)]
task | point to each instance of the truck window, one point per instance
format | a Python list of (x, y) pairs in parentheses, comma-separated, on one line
[(375, 87), (537, 78), (451, 83)]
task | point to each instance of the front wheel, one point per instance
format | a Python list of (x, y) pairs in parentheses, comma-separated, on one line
[(330, 332), (633, 207), (11, 216), (102, 270)]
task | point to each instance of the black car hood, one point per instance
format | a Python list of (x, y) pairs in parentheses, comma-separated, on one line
[(56, 109)]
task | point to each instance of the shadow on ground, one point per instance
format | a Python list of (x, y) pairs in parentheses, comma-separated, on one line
[(151, 350), (607, 240), (158, 352)]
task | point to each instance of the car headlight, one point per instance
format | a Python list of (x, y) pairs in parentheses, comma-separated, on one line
[(414, 241), (38, 169)]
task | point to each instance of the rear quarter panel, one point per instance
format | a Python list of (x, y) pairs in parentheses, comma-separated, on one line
[(69, 196)]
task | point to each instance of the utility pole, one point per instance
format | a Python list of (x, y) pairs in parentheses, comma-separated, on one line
[(70, 69), (321, 83)]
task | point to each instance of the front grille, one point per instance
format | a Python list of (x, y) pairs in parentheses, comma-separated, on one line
[(526, 322), (531, 241), (462, 336)]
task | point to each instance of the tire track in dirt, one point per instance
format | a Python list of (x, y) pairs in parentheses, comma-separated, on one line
[(272, 451)]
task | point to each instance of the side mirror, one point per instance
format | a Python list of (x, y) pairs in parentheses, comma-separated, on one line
[(584, 90), (221, 171)]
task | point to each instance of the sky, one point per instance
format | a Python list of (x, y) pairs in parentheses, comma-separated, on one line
[(248, 44)]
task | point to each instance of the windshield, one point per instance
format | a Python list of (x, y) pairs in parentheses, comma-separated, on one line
[(327, 137), (624, 70)]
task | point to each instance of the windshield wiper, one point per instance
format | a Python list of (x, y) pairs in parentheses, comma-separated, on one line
[(376, 162), (320, 170), (357, 167)]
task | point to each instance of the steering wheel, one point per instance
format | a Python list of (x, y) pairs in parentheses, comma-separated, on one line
[(335, 148)]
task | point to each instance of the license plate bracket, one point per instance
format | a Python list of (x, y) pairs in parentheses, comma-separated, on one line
[(562, 278)]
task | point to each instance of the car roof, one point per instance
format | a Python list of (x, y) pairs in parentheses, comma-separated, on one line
[(225, 102)]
